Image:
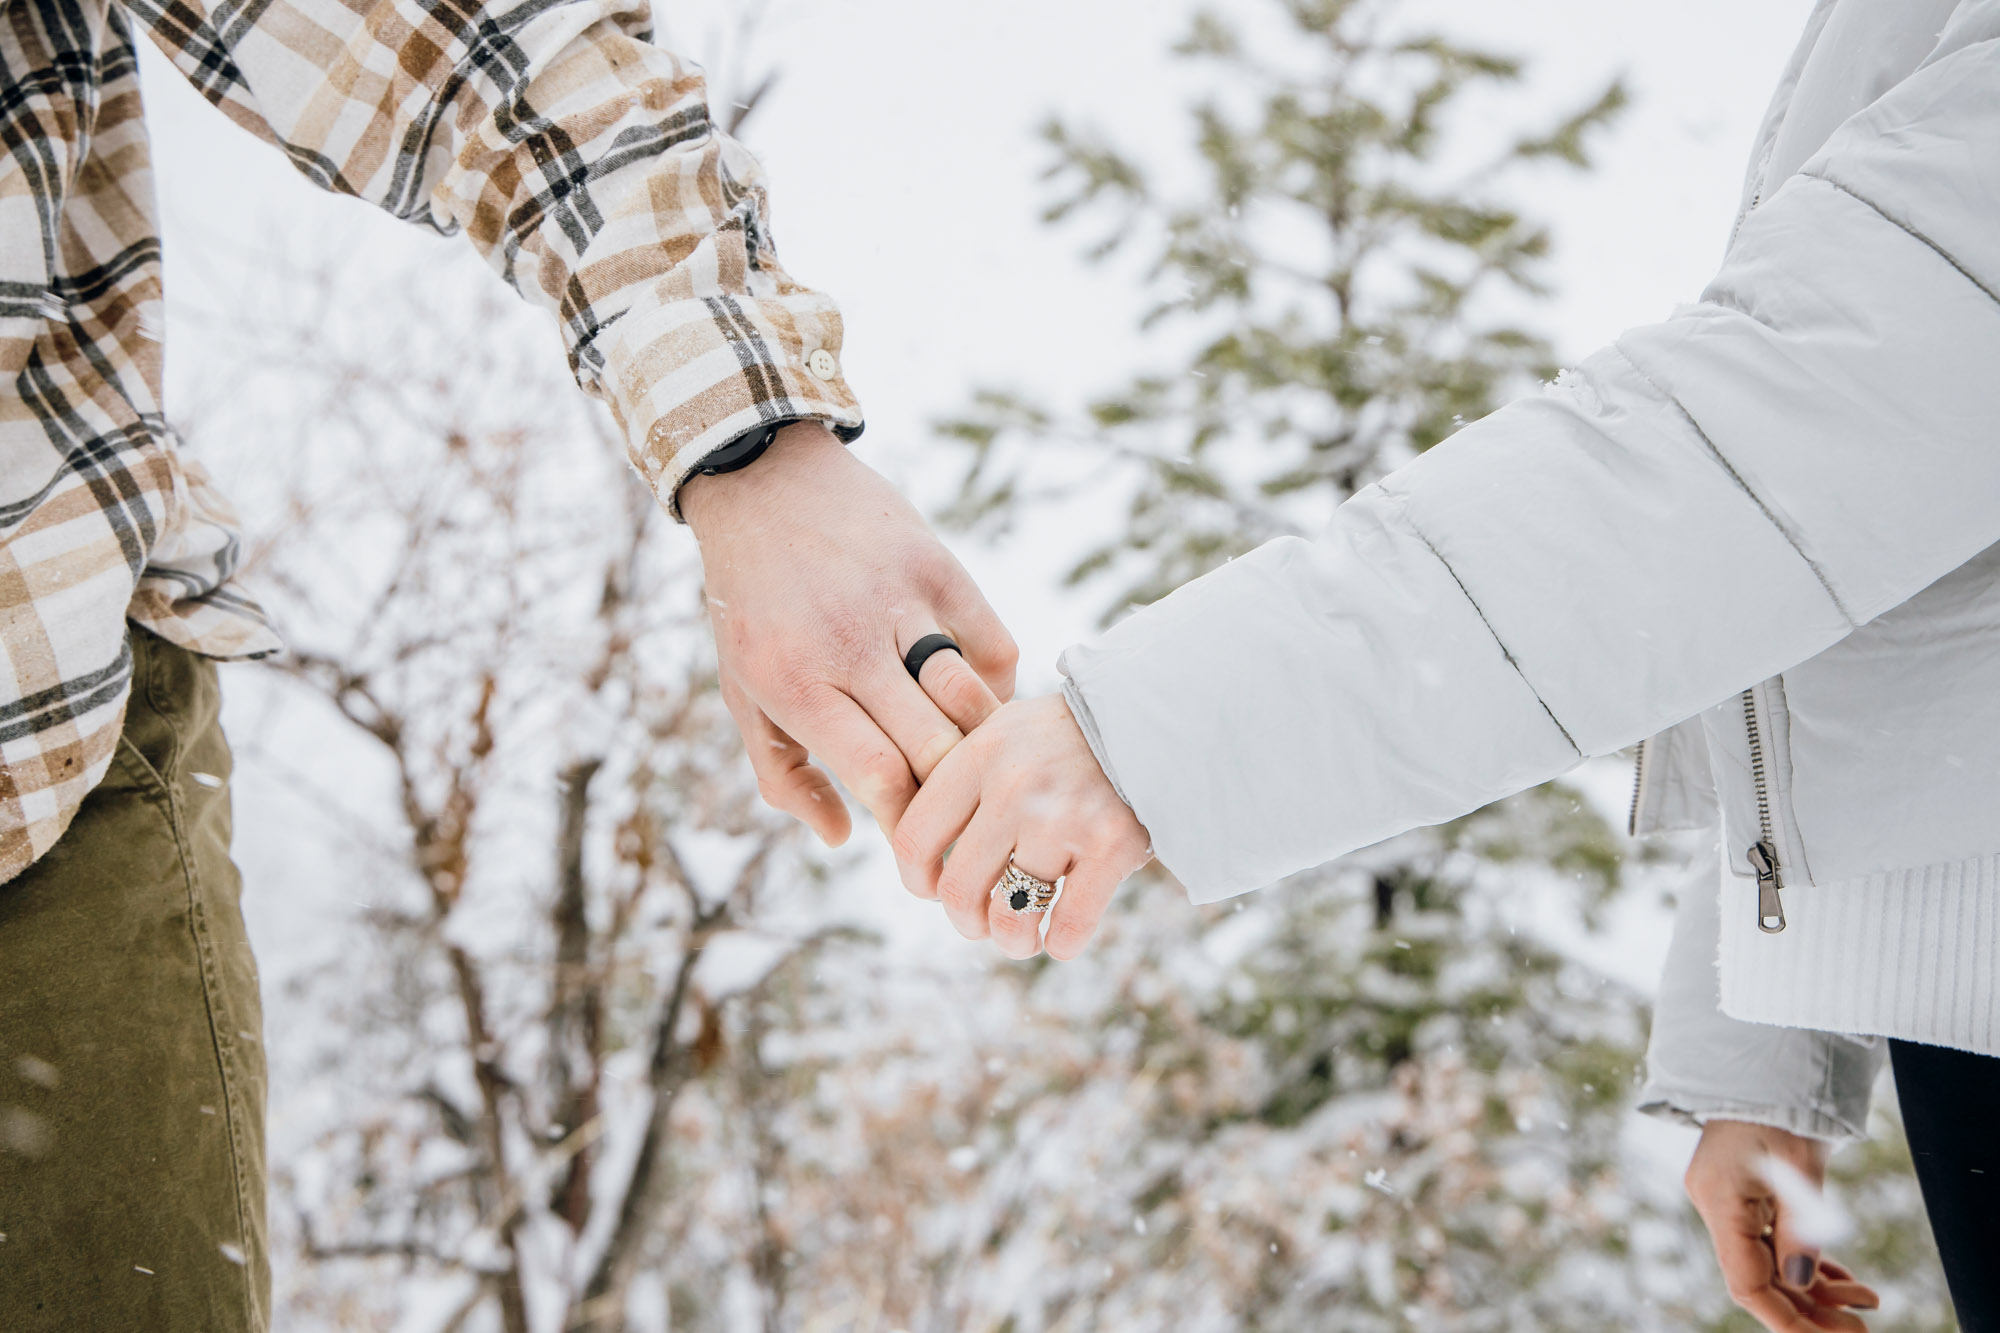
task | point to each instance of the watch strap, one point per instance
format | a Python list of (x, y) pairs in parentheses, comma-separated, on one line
[(742, 451)]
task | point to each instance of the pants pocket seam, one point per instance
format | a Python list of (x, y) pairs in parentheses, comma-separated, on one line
[(225, 1045)]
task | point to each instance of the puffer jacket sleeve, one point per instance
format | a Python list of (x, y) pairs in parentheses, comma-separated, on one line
[(1704, 504), (1703, 1065)]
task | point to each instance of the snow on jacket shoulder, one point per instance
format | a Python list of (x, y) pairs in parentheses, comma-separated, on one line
[(1706, 504)]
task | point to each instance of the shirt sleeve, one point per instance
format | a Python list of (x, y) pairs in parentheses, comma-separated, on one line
[(581, 162)]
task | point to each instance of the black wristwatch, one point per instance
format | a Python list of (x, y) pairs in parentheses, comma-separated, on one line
[(738, 454), (742, 451)]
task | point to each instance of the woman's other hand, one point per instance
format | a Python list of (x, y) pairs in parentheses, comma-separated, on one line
[(1023, 786), (1773, 1271)]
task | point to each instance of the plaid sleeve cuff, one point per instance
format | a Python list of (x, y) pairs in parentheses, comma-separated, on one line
[(686, 377)]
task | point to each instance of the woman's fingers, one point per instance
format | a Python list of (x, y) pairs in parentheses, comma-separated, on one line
[(1837, 1286), (1086, 893), (1751, 1272), (1798, 1262), (1749, 1183), (1024, 785), (975, 865), (1791, 1170), (786, 777), (1843, 1291), (935, 818), (1749, 1262), (1829, 1317), (1019, 934)]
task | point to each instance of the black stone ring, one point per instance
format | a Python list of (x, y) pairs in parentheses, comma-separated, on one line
[(922, 650), (1023, 893)]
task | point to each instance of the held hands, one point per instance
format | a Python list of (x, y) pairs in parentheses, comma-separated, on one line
[(1773, 1270), (820, 576), (1024, 787)]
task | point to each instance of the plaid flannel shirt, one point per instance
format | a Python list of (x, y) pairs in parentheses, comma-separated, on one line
[(578, 158)]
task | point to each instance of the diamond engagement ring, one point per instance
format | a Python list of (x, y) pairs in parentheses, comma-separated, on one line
[(1023, 893)]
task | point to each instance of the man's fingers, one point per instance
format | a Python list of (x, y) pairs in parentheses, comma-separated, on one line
[(958, 690), (848, 741), (980, 635), (906, 714), (786, 777), (1086, 893), (936, 816)]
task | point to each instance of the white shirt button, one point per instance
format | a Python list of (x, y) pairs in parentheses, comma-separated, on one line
[(822, 364)]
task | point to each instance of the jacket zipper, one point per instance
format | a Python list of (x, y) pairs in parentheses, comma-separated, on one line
[(1638, 788), (1763, 853)]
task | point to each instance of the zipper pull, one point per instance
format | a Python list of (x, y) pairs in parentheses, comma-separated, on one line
[(1770, 911)]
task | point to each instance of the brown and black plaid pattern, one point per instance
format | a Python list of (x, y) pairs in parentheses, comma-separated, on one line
[(577, 157)]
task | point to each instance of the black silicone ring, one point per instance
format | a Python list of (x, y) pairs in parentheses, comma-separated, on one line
[(920, 653)]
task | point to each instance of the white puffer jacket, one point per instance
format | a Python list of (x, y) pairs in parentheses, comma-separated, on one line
[(1767, 528)]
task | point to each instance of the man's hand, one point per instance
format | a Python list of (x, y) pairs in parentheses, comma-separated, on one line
[(820, 576), (1773, 1272)]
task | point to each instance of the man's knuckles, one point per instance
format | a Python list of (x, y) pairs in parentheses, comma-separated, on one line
[(996, 658), (933, 749), (880, 777), (929, 567), (853, 641)]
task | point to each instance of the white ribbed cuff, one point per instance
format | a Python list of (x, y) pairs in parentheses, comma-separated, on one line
[(1907, 954)]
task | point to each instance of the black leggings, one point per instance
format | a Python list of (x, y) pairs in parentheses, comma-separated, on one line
[(1951, 1111)]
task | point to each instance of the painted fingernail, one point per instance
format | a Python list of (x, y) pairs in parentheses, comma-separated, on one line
[(1799, 1270)]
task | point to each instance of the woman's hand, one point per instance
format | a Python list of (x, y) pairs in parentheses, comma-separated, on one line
[(1773, 1272), (1024, 786)]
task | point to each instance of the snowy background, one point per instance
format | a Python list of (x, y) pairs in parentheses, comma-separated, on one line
[(901, 146)]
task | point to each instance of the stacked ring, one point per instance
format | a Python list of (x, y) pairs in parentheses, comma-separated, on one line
[(1023, 893)]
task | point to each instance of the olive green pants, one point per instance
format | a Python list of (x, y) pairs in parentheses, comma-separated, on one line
[(131, 1064)]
